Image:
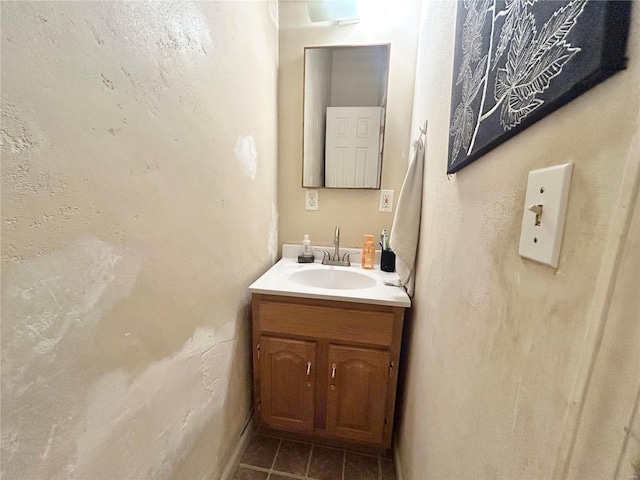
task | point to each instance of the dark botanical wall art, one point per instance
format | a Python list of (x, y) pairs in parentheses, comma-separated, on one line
[(518, 60)]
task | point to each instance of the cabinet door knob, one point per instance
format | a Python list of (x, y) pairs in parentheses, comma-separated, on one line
[(333, 371), (308, 368)]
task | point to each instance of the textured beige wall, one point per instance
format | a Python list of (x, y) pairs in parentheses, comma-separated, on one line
[(138, 192), (355, 211), (615, 386), (497, 341)]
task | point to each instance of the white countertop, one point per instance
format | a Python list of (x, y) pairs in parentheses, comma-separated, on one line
[(277, 281)]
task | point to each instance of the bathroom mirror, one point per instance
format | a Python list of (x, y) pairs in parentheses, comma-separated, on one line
[(345, 99)]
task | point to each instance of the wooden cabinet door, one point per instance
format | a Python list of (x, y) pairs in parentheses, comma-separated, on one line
[(357, 393), (287, 383)]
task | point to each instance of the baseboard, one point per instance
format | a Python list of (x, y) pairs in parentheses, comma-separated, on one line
[(236, 455), (396, 461)]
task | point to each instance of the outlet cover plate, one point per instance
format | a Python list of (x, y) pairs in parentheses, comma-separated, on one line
[(311, 198), (386, 201), (549, 188)]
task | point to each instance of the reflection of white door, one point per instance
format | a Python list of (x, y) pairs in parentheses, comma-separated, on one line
[(352, 148)]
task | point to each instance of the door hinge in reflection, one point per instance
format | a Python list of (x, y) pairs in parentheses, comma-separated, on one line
[(386, 424), (261, 402), (258, 347), (391, 365)]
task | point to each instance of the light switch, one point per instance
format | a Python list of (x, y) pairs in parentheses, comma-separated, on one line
[(545, 208)]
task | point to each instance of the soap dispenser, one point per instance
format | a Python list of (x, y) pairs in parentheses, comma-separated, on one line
[(368, 252), (306, 252)]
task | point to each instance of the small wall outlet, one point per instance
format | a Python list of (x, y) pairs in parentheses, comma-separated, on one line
[(311, 199), (386, 201)]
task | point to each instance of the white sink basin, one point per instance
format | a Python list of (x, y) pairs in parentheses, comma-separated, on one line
[(327, 282), (339, 278)]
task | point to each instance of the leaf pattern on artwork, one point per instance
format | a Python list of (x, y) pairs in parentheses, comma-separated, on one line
[(559, 25), (513, 9), (462, 127), (516, 108), (471, 73), (472, 36), (463, 117), (470, 88), (522, 60), (533, 60)]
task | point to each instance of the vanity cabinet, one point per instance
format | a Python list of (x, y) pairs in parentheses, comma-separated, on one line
[(326, 370)]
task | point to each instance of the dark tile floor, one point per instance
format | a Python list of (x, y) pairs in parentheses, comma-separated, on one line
[(271, 458)]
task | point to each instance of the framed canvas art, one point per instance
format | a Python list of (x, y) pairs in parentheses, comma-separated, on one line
[(516, 61)]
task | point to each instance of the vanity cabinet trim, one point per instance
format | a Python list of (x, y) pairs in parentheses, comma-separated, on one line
[(330, 323)]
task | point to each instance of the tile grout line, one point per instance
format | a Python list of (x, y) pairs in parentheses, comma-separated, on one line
[(306, 473), (273, 463), (379, 467), (344, 462), (292, 476), (253, 467)]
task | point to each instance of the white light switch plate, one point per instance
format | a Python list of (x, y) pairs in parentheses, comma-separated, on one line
[(549, 188)]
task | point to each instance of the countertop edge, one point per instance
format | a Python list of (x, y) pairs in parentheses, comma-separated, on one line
[(333, 297)]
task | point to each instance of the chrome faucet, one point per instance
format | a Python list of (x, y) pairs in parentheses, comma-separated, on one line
[(327, 259), (336, 245)]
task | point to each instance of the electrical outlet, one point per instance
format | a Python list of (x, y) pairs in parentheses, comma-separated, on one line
[(311, 199), (386, 201)]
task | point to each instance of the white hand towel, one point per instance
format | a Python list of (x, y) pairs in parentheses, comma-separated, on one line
[(406, 222)]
